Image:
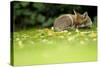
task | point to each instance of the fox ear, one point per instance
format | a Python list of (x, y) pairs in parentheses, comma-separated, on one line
[(74, 12), (85, 14)]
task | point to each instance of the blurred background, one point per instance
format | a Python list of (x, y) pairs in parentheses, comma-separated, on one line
[(25, 15)]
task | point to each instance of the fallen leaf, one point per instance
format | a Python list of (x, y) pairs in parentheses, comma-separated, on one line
[(82, 42), (61, 37), (20, 44)]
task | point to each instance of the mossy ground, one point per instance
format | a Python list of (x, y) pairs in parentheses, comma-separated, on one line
[(44, 46)]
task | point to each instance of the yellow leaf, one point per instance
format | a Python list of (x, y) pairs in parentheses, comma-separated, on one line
[(93, 34), (82, 42), (20, 44), (94, 39), (61, 37), (76, 30)]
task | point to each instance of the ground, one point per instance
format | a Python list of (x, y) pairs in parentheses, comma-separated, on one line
[(44, 46)]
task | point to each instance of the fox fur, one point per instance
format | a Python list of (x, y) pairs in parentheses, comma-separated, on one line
[(76, 20)]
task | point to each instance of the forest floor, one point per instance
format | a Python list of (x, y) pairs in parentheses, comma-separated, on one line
[(44, 46)]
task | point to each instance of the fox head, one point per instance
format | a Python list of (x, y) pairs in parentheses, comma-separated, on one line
[(80, 18)]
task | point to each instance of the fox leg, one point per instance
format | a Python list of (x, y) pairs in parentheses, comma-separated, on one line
[(76, 26)]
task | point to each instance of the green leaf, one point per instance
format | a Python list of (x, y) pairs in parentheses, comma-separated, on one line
[(41, 18), (48, 22), (24, 4), (39, 6)]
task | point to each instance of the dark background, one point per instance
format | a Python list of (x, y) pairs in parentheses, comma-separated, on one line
[(26, 15)]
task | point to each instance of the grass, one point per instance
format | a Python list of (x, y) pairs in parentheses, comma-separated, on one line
[(44, 46)]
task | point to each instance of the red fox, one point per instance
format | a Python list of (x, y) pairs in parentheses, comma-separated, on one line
[(75, 20)]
